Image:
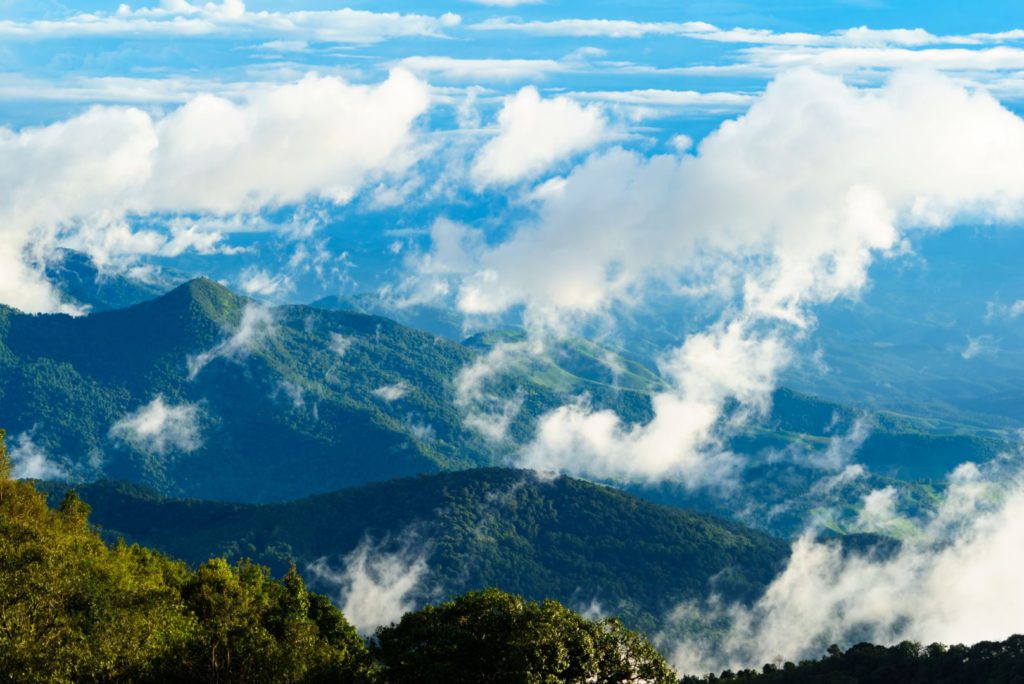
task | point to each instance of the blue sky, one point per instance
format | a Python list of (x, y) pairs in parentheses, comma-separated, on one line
[(651, 78)]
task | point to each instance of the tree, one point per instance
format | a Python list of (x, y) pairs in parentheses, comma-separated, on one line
[(73, 608), (497, 637)]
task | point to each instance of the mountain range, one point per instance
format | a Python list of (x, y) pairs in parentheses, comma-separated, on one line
[(203, 393), (586, 545)]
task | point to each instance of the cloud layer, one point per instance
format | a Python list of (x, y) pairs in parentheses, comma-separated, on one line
[(183, 19), (318, 138), (956, 582), (782, 209)]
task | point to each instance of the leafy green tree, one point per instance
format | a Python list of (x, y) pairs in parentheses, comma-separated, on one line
[(491, 636), (73, 609)]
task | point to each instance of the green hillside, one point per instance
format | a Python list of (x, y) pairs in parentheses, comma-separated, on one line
[(566, 539), (73, 609), (321, 400)]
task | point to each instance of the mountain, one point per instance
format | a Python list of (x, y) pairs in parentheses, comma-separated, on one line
[(283, 402), (277, 403), (280, 416), (583, 544)]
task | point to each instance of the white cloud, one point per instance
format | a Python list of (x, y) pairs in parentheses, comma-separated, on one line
[(231, 18), (294, 392), (422, 431), (320, 137), (857, 60), (672, 100), (983, 345), (465, 69), (683, 442), (160, 428), (842, 448), (850, 473), (29, 461), (257, 326), (860, 36), (624, 28), (491, 413), (784, 208), (956, 582), (506, 3), (995, 310), (256, 281), (376, 587), (392, 392), (340, 344), (534, 134)]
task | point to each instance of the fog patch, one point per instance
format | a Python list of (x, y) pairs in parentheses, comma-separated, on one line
[(392, 392), (257, 326), (955, 581), (29, 461), (376, 587), (159, 428)]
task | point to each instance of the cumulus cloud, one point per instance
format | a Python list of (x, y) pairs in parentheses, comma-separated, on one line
[(685, 440), (956, 582), (781, 209), (878, 512), (257, 326), (534, 134), (376, 587), (29, 461), (319, 137), (160, 428), (257, 281)]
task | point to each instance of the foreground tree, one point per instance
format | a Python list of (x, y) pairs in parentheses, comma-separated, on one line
[(491, 636), (73, 609)]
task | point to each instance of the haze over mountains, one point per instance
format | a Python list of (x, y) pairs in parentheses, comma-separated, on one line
[(588, 546), (150, 394)]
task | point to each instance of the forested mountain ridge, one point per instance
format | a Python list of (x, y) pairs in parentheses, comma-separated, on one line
[(73, 609), (205, 393), (310, 400), (580, 543)]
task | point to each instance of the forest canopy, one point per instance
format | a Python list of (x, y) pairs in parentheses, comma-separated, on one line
[(73, 609)]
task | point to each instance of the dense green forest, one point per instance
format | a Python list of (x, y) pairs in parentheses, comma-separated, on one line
[(560, 538), (987, 662), (73, 609), (315, 416)]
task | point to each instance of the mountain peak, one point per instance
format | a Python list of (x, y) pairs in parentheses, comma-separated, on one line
[(206, 297)]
